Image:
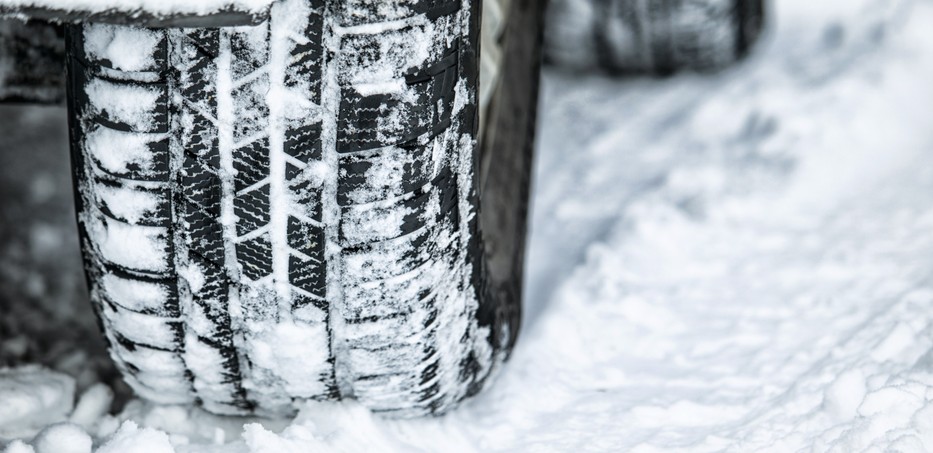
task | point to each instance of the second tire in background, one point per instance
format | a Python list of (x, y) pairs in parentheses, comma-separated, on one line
[(648, 36)]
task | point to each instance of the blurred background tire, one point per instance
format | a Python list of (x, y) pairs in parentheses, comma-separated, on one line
[(651, 36), (32, 62)]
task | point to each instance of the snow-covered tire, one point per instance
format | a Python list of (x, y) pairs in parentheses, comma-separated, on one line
[(290, 211), (651, 36)]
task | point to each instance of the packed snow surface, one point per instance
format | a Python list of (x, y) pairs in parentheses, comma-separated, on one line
[(739, 262)]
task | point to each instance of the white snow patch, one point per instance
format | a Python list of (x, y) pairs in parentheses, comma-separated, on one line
[(128, 203), (134, 294), (93, 405), (33, 397), (194, 275), (131, 439), (135, 247), (117, 151), (63, 438), (18, 446), (845, 394), (127, 48), (130, 104), (296, 350), (142, 328)]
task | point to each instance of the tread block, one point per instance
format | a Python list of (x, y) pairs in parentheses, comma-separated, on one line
[(206, 320), (372, 114), (410, 169), (359, 12), (386, 260), (434, 9), (161, 389), (199, 86), (252, 113), (375, 363), (307, 275), (306, 238), (375, 121), (407, 330), (255, 256), (252, 210), (151, 251), (304, 142), (133, 205), (292, 171), (128, 106), (156, 297), (214, 287), (148, 42), (310, 309), (202, 186), (215, 369), (250, 47), (251, 163), (143, 329), (205, 40), (366, 224), (152, 361), (308, 197), (127, 155), (371, 302), (200, 140), (205, 235), (307, 57), (449, 195)]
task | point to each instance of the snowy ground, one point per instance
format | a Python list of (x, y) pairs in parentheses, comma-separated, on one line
[(730, 263)]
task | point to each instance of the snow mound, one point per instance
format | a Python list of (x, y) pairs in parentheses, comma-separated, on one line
[(33, 397), (62, 438), (131, 439)]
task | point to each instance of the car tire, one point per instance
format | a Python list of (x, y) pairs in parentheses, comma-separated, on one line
[(652, 37), (299, 210)]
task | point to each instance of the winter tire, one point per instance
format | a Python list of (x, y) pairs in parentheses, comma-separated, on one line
[(302, 209), (648, 36)]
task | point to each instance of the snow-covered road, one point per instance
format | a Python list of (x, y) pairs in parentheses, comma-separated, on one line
[(739, 262)]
